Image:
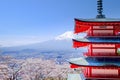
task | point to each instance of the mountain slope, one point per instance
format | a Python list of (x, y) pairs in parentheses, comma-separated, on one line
[(59, 47)]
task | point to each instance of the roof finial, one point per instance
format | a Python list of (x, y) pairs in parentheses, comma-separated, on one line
[(100, 9)]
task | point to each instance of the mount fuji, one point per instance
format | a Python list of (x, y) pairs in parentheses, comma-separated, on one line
[(61, 42), (60, 45), (65, 36)]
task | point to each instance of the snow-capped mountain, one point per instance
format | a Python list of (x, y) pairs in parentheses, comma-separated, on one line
[(60, 45), (61, 42), (66, 35)]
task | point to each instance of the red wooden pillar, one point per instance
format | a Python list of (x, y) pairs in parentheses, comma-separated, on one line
[(119, 72), (92, 30), (89, 71), (114, 31), (89, 32), (85, 71), (91, 50), (116, 54)]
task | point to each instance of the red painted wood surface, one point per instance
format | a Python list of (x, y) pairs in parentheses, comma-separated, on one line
[(82, 26), (74, 66), (77, 44), (102, 72), (98, 49)]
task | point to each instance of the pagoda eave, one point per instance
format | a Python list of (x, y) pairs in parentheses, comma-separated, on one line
[(97, 23), (96, 62), (103, 20), (73, 65), (94, 42)]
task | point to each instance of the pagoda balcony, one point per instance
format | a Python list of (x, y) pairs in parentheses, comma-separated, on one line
[(94, 27), (102, 72), (98, 68)]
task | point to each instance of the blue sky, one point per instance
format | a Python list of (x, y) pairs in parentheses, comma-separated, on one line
[(31, 21)]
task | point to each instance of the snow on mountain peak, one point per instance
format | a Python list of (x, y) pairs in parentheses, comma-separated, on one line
[(70, 35), (65, 36)]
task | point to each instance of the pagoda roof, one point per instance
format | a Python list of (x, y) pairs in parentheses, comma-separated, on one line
[(98, 40), (95, 62), (99, 19)]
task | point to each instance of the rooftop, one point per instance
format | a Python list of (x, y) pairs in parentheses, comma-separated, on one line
[(100, 19), (99, 40), (89, 61)]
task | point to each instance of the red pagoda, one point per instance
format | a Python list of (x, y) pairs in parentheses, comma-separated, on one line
[(102, 60)]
